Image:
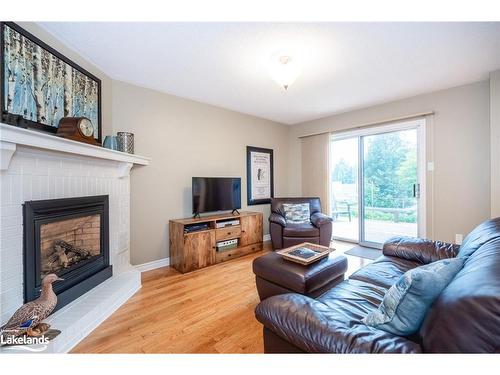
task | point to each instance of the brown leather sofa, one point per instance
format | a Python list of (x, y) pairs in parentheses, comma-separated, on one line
[(465, 318), (283, 234)]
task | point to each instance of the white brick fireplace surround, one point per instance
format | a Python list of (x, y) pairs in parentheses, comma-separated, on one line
[(36, 166)]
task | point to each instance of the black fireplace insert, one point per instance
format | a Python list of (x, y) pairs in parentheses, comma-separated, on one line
[(68, 237)]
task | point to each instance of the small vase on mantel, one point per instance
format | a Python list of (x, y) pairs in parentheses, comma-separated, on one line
[(125, 142), (111, 142)]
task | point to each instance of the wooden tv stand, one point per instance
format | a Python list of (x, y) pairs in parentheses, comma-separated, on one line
[(195, 250)]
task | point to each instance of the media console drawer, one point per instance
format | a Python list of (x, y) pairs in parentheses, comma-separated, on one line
[(227, 233), (238, 252)]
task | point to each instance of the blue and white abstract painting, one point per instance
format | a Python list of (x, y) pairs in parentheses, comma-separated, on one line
[(41, 87)]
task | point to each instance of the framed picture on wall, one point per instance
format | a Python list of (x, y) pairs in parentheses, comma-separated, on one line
[(39, 86), (260, 175)]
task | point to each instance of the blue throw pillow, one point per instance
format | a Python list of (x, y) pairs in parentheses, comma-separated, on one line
[(405, 304)]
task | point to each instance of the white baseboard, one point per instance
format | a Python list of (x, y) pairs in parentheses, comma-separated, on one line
[(166, 261), (153, 265)]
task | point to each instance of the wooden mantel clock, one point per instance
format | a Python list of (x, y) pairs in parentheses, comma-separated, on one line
[(78, 129)]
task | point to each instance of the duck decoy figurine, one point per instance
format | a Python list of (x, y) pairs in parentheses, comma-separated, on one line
[(28, 318)]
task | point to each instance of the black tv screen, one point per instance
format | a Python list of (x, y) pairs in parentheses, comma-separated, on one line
[(216, 194)]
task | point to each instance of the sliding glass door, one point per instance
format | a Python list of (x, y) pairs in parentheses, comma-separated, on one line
[(376, 182)]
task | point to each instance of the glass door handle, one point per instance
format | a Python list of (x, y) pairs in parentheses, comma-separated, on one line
[(416, 190)]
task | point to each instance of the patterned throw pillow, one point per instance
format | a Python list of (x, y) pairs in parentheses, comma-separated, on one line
[(406, 303), (297, 213)]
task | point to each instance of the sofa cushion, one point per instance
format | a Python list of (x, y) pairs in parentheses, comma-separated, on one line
[(419, 250), (300, 230), (385, 271), (362, 297), (406, 303), (332, 323), (297, 213)]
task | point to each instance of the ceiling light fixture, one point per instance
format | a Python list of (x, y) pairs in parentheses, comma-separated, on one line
[(284, 69)]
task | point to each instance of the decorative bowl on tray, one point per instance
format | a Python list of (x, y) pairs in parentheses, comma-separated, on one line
[(305, 253)]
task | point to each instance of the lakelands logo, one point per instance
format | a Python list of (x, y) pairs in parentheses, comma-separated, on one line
[(30, 344), (24, 340)]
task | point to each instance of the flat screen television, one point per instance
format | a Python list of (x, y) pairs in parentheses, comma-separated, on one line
[(216, 194)]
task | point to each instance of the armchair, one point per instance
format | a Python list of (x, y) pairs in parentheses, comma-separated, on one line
[(284, 234)]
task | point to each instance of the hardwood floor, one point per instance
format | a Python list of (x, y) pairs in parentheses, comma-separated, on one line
[(205, 311)]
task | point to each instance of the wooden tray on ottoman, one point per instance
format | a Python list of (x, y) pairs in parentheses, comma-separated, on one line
[(321, 252)]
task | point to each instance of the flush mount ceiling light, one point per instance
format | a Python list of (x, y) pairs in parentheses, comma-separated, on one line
[(284, 69)]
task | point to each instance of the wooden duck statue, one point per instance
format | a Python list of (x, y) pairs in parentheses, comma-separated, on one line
[(28, 318)]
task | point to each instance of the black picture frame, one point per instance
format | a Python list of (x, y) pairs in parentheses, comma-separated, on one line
[(19, 120), (250, 200)]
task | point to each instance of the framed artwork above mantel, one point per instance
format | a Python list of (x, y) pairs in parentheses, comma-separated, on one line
[(39, 85), (260, 175)]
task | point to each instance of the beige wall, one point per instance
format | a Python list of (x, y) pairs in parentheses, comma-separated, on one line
[(185, 139), (458, 143), (106, 94), (495, 142)]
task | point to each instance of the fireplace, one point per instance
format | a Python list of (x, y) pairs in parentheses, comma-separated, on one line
[(68, 237)]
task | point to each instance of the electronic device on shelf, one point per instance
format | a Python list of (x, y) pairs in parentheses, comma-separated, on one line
[(216, 194), (196, 227), (227, 245), (227, 223)]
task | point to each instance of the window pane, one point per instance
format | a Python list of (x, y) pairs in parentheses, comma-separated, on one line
[(390, 173)]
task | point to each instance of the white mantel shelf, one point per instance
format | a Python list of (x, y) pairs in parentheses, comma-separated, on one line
[(12, 136)]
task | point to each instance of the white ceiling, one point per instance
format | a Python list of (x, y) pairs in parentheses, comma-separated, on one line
[(344, 65)]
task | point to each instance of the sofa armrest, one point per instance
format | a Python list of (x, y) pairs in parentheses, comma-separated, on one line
[(419, 250), (318, 219), (278, 219), (317, 328)]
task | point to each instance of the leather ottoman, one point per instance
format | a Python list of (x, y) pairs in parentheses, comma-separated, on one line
[(274, 275)]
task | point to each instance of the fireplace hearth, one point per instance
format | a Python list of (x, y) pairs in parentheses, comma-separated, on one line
[(68, 237)]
